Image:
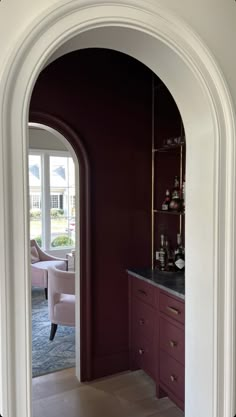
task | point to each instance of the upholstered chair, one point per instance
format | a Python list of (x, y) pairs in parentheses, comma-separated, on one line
[(61, 298), (40, 261)]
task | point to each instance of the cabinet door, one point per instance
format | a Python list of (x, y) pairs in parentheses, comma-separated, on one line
[(143, 336)]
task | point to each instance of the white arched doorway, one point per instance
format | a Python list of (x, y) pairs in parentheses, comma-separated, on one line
[(175, 54)]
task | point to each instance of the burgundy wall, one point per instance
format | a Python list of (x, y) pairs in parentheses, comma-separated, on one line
[(105, 96)]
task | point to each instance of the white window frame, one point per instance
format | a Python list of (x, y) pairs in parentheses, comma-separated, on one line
[(45, 155)]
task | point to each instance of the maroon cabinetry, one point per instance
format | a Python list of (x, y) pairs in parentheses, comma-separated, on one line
[(143, 324), (171, 347), (156, 337)]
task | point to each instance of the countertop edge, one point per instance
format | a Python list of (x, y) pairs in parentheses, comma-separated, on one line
[(155, 284)]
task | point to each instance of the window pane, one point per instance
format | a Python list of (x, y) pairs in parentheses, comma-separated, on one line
[(62, 193), (35, 198)]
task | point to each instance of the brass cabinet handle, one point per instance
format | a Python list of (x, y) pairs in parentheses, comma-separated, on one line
[(173, 310), (141, 322), (173, 378), (142, 292), (172, 343), (141, 351)]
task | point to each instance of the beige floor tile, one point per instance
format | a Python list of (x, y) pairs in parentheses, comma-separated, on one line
[(84, 402), (136, 392), (148, 406), (170, 412), (117, 382), (130, 394), (54, 383)]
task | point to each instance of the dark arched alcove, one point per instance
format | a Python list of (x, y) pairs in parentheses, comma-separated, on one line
[(106, 96)]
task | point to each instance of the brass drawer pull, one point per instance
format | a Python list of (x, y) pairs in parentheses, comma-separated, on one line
[(173, 343), (173, 378), (142, 292), (141, 322), (173, 310), (141, 351)]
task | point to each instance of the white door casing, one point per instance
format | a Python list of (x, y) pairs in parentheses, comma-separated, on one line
[(168, 47)]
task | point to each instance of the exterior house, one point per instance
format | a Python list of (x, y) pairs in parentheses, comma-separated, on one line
[(58, 187), (189, 46), (51, 190)]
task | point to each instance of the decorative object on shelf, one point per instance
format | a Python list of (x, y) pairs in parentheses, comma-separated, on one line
[(175, 203), (174, 142), (166, 202), (168, 142), (179, 259)]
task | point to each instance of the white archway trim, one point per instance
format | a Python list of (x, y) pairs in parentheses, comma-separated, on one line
[(169, 48)]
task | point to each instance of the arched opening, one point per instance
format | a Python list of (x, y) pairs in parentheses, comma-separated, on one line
[(167, 47), (82, 206)]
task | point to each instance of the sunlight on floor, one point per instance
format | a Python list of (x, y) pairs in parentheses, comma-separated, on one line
[(130, 394)]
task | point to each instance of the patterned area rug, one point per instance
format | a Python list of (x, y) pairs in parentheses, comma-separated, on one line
[(49, 356)]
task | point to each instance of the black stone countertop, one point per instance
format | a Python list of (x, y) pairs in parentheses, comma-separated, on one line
[(172, 282)]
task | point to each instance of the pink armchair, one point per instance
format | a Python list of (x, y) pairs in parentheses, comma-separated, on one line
[(61, 298), (40, 261)]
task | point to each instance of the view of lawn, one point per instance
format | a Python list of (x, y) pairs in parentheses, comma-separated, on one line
[(59, 226)]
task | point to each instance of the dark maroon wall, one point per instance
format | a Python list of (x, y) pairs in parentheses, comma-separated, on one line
[(106, 97)]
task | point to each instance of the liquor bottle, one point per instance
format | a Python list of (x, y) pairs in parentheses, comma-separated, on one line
[(162, 255), (175, 203), (179, 258), (166, 202), (157, 260), (169, 257)]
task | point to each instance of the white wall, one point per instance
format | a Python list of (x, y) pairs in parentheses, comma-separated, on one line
[(218, 40), (213, 20)]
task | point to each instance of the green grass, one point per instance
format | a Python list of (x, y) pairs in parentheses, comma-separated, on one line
[(58, 226)]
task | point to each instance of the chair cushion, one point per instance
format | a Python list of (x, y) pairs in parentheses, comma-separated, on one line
[(39, 271), (64, 310), (34, 255), (46, 264)]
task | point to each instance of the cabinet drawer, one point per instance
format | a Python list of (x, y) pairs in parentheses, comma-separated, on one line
[(144, 291), (143, 321), (171, 307), (172, 340), (172, 374), (143, 356)]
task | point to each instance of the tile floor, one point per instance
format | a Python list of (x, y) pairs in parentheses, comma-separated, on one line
[(130, 394)]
